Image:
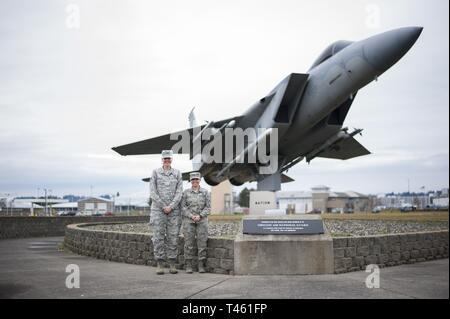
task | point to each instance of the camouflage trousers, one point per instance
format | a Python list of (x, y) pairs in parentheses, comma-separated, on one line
[(192, 232), (166, 229)]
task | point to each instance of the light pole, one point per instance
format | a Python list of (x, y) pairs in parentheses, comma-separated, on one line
[(7, 200), (50, 210), (114, 201), (45, 212), (11, 210), (45, 192)]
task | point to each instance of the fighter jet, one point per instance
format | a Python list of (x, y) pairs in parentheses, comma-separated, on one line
[(307, 109)]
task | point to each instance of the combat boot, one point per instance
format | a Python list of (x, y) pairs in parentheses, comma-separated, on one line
[(201, 266), (189, 267), (160, 268), (173, 269)]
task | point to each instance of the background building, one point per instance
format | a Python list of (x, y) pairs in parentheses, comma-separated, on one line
[(126, 206), (322, 199), (222, 198), (65, 208), (95, 205), (22, 206), (419, 200), (440, 198), (295, 202)]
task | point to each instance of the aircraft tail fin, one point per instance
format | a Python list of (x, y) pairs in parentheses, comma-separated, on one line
[(192, 119)]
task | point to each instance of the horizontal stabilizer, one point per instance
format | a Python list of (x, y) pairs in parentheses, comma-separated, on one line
[(286, 179), (185, 176), (344, 150)]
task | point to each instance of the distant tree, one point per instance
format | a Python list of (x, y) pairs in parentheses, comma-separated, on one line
[(244, 197), (105, 196), (72, 198)]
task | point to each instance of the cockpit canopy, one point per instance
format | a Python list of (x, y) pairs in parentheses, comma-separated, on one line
[(330, 51)]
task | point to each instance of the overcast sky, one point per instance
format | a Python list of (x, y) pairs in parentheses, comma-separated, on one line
[(134, 69)]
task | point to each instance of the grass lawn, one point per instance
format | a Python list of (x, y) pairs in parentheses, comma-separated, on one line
[(225, 218), (394, 215)]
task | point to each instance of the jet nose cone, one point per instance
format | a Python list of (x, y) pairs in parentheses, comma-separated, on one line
[(384, 50)]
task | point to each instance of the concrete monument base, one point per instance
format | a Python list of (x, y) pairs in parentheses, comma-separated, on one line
[(284, 254)]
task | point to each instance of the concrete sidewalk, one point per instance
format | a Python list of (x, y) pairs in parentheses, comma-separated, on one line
[(34, 268)]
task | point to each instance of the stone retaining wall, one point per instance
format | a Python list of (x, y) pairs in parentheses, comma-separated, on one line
[(23, 227), (135, 248), (355, 253), (350, 253)]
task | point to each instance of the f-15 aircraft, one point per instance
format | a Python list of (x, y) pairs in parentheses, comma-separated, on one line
[(308, 111)]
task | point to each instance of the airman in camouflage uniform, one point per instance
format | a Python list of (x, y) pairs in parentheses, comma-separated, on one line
[(166, 190), (196, 206)]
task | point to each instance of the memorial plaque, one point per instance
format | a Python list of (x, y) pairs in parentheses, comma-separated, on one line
[(283, 226)]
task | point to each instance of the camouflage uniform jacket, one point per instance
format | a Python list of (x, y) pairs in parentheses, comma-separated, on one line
[(196, 203), (166, 188)]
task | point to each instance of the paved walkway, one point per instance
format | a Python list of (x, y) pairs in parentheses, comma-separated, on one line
[(35, 268)]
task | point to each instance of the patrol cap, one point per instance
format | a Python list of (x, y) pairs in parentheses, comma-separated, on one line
[(194, 175), (167, 154)]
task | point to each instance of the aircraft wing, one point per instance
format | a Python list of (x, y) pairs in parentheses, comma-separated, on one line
[(344, 150), (157, 144), (150, 146)]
